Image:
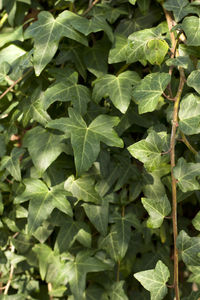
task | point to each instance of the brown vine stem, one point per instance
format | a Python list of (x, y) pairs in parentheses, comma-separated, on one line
[(15, 82), (49, 291), (177, 99), (186, 142), (90, 7), (10, 275)]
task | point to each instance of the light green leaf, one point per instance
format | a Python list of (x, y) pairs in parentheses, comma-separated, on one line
[(46, 33), (196, 221), (51, 267), (12, 163), (77, 270), (82, 188), (118, 88), (156, 51), (147, 93), (137, 44), (44, 147), (11, 53), (189, 248), (186, 174), (191, 27), (132, 2), (158, 209), (195, 276), (14, 35), (98, 216), (180, 61), (86, 139), (193, 80), (149, 151), (190, 118), (178, 8), (118, 52), (117, 292), (65, 90), (42, 202), (4, 69), (155, 280)]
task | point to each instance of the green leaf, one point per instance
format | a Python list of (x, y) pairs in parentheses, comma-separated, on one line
[(78, 269), (156, 51), (43, 154), (132, 2), (147, 93), (196, 221), (117, 291), (155, 280), (189, 248), (178, 8), (158, 209), (190, 26), (98, 216), (65, 90), (186, 174), (118, 88), (82, 188), (149, 151), (193, 80), (86, 139), (46, 33), (12, 163), (4, 69), (195, 276), (42, 202), (143, 5), (180, 61), (190, 118), (50, 265), (14, 35), (138, 42), (118, 52)]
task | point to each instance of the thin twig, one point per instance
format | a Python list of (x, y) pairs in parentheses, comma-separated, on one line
[(11, 273), (49, 290), (168, 97), (15, 82), (186, 142), (90, 7)]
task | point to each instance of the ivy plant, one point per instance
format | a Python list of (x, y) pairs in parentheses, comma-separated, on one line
[(99, 149)]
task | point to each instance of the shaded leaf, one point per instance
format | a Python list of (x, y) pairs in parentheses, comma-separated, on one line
[(196, 221), (189, 248), (193, 80), (117, 292), (178, 8), (12, 163)]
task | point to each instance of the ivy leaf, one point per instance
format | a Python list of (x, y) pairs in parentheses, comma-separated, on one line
[(180, 61), (132, 2), (65, 90), (77, 270), (98, 216), (189, 248), (155, 280), (186, 174), (4, 69), (117, 291), (156, 51), (46, 33), (158, 209), (118, 88), (43, 154), (196, 221), (12, 163), (189, 119), (82, 188), (147, 93), (118, 52), (42, 202), (178, 8), (50, 265), (149, 151), (86, 139), (193, 80), (190, 26)]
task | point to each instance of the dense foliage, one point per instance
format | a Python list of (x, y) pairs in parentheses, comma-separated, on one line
[(86, 135)]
